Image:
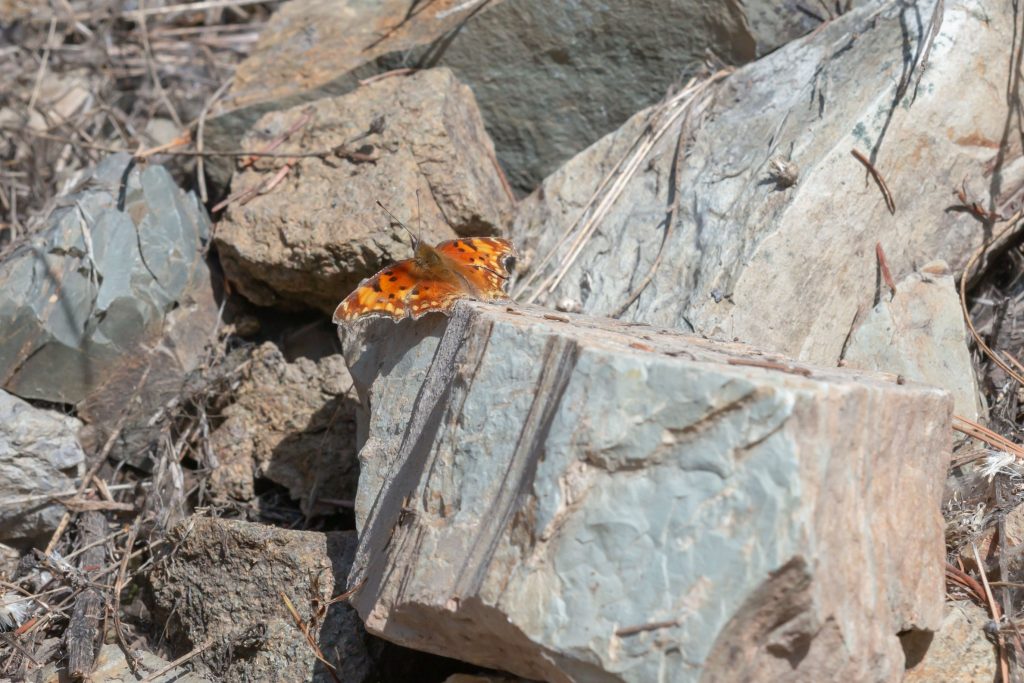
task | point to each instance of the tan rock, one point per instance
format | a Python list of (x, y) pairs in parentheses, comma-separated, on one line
[(231, 581), (960, 650), (291, 423), (1014, 525), (420, 150)]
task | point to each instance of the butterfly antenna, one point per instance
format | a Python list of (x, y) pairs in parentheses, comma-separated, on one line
[(419, 215), (415, 242)]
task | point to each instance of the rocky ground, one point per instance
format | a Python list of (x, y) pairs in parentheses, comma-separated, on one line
[(752, 411)]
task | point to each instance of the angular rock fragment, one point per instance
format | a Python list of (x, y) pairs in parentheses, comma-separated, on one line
[(960, 650), (550, 77), (727, 252), (416, 144), (919, 332), (8, 561), (112, 667), (62, 95), (39, 455), (231, 582), (572, 498), (78, 301), (291, 423)]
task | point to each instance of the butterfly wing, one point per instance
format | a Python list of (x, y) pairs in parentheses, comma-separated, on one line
[(486, 262), (409, 289), (433, 295), (383, 294), (401, 290)]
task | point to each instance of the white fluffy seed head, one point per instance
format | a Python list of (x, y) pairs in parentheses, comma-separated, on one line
[(997, 462), (14, 609)]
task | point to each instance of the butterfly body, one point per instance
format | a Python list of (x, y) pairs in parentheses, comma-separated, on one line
[(431, 281)]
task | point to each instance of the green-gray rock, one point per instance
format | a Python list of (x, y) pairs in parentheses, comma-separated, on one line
[(79, 300), (581, 499)]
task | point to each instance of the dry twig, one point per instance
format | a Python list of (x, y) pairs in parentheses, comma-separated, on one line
[(879, 180), (179, 661), (641, 628), (993, 606), (771, 365), (969, 272), (115, 608), (883, 265), (972, 207), (986, 435), (200, 131), (84, 627)]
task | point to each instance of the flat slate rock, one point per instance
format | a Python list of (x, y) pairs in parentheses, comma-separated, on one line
[(733, 248)]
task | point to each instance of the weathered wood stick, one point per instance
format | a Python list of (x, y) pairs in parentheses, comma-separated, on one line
[(83, 629)]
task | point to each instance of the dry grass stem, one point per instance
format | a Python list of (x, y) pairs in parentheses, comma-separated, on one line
[(661, 119), (301, 625), (883, 266), (1004, 665), (879, 180), (986, 435), (1011, 228)]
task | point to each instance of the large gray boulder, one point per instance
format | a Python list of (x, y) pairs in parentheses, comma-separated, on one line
[(581, 499), (79, 300), (39, 456), (741, 251), (550, 77)]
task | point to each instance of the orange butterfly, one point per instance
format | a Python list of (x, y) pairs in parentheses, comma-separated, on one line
[(469, 268)]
